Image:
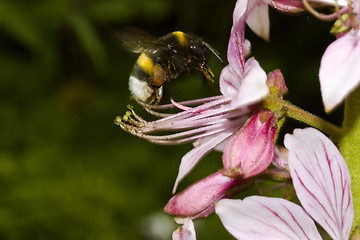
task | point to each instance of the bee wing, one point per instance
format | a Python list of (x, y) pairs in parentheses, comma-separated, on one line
[(138, 41)]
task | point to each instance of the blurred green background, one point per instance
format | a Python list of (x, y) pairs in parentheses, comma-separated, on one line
[(66, 171)]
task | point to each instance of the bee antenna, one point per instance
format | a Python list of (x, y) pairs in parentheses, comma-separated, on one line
[(214, 51)]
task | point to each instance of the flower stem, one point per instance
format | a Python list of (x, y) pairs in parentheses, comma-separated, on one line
[(350, 147), (321, 16), (312, 120)]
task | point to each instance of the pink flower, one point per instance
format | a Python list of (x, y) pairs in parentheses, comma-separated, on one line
[(322, 183), (251, 150), (340, 65), (197, 201), (248, 153)]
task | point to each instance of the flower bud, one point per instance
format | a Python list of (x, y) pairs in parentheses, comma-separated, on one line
[(251, 150), (276, 79), (288, 6), (198, 199), (280, 158)]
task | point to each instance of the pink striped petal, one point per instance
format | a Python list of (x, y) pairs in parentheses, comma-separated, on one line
[(237, 49), (266, 218), (340, 69), (189, 160), (185, 232), (321, 180)]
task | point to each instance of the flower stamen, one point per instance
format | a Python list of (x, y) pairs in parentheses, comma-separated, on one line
[(200, 125), (325, 17)]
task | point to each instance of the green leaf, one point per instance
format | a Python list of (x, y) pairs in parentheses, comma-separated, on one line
[(20, 26), (111, 11)]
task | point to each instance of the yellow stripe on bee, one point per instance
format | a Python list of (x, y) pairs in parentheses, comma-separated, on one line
[(181, 38), (145, 63)]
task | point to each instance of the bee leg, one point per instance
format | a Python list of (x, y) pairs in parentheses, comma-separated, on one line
[(206, 71), (158, 94), (159, 76)]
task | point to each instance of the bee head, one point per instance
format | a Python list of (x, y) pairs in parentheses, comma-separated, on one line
[(199, 48), (197, 54)]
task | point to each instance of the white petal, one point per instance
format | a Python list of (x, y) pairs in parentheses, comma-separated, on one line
[(266, 218), (258, 18), (185, 232), (253, 86), (189, 160), (229, 81), (321, 180), (340, 69)]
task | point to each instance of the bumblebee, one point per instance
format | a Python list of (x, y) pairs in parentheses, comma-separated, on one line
[(163, 59)]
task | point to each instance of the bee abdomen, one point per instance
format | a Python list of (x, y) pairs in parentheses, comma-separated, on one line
[(147, 78), (140, 89), (140, 77)]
